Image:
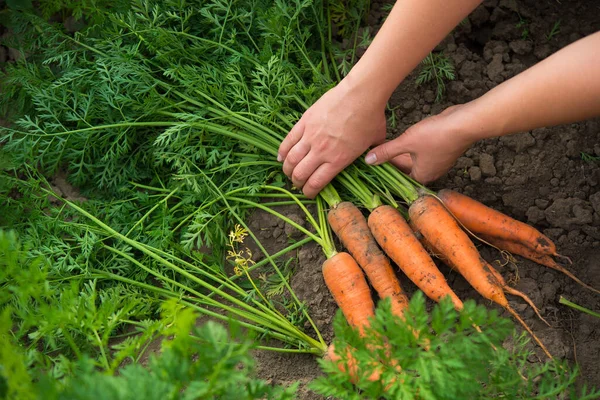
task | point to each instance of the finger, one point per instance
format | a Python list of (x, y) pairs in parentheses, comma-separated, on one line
[(292, 138), (319, 179), (294, 156), (403, 162), (387, 151), (305, 169)]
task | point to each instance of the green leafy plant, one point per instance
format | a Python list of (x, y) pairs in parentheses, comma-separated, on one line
[(523, 25), (436, 67), (442, 355), (195, 362), (588, 157), (554, 31)]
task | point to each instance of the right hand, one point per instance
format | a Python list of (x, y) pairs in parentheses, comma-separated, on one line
[(331, 134), (428, 149)]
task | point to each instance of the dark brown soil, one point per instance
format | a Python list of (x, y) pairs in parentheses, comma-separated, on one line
[(539, 177)]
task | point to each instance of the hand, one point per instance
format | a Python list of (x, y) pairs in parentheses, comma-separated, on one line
[(331, 134), (428, 149)]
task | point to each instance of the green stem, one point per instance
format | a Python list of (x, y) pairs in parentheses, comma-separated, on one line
[(330, 195), (102, 352), (278, 215), (152, 210), (226, 318), (277, 270), (326, 236), (578, 307)]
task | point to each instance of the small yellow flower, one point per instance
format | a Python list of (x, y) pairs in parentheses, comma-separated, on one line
[(242, 259)]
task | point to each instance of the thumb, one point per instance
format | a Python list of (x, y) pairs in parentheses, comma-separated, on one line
[(386, 151)]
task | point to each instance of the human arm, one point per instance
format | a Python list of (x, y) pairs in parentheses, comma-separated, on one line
[(349, 118), (563, 88)]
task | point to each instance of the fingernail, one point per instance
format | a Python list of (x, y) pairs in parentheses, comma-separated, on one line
[(279, 158), (371, 158)]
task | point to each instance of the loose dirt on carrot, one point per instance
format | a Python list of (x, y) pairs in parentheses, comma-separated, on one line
[(549, 178)]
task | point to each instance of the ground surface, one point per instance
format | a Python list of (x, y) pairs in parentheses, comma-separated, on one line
[(538, 177)]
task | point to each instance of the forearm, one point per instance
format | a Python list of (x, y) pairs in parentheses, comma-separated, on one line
[(563, 88), (412, 29)]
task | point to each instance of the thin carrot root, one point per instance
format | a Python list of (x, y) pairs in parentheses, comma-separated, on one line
[(507, 289), (542, 259), (564, 258), (550, 263), (528, 300), (533, 335)]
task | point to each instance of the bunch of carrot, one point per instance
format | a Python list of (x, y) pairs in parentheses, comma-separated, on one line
[(437, 224)]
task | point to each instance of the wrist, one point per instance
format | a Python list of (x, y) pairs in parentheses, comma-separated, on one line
[(372, 92), (478, 120)]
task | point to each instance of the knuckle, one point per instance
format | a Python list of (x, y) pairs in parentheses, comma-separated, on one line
[(383, 153), (298, 176), (292, 158), (321, 145), (314, 185)]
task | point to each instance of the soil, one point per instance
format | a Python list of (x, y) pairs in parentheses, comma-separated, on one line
[(548, 177)]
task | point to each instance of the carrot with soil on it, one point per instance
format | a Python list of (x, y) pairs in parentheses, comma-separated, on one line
[(481, 219), (393, 234), (389, 229), (499, 278), (346, 282), (350, 226), (542, 259), (442, 231)]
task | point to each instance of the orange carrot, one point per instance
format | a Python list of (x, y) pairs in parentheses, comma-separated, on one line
[(481, 219), (399, 242), (352, 229), (494, 271), (542, 259), (350, 290), (443, 233), (374, 371), (347, 284)]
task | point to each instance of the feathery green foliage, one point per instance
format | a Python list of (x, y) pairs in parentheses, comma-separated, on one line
[(436, 67), (443, 356)]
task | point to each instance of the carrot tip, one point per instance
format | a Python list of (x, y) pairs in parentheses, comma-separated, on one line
[(528, 329), (528, 300), (564, 258), (568, 273)]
